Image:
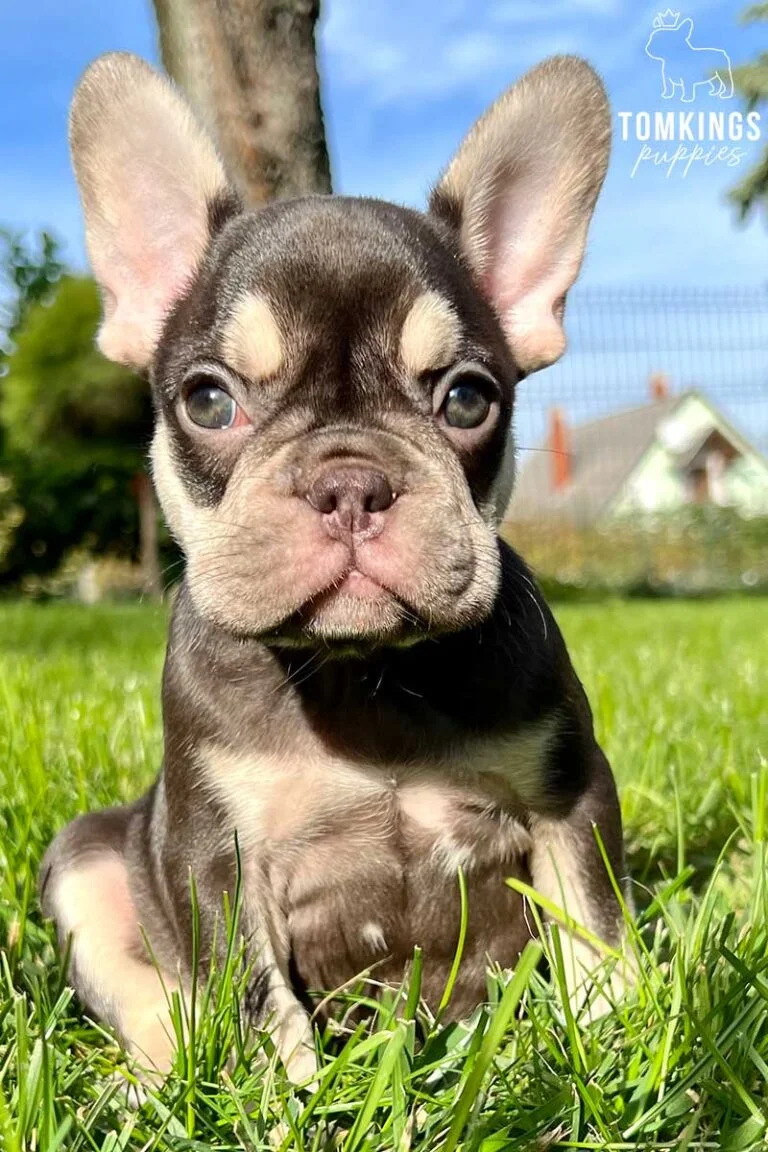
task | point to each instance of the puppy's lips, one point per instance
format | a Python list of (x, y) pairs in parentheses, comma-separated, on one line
[(353, 586), (360, 586), (357, 609)]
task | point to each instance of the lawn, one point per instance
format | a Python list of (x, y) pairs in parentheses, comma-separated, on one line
[(679, 694)]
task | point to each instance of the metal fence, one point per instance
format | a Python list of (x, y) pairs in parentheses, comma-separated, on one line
[(643, 454)]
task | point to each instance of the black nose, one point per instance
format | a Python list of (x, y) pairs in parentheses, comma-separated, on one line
[(348, 496)]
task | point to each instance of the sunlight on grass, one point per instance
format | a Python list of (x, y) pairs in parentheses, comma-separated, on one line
[(678, 692)]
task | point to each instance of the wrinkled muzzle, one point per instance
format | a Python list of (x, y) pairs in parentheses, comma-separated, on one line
[(340, 537)]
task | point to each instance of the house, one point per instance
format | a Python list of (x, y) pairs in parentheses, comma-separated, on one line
[(675, 451)]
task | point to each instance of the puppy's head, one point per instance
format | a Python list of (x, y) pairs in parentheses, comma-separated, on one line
[(334, 378)]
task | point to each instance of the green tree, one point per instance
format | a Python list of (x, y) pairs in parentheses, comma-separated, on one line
[(751, 80), (28, 274), (76, 433)]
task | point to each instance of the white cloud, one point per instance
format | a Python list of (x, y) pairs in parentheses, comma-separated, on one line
[(471, 53), (526, 12), (435, 51)]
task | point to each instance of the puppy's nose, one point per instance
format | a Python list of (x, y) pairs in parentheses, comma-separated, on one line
[(348, 496)]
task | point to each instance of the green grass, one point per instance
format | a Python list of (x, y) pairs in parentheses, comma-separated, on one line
[(679, 694)]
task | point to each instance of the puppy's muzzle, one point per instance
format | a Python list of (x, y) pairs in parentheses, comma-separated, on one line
[(351, 500)]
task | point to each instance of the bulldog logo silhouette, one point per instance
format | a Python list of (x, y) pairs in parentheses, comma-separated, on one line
[(685, 66)]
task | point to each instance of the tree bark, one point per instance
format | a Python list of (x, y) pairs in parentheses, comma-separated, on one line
[(249, 71), (149, 553)]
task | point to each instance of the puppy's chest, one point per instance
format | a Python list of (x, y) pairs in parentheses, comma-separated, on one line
[(363, 861), (311, 799)]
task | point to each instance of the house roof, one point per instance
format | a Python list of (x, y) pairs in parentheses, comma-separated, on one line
[(603, 454), (691, 455)]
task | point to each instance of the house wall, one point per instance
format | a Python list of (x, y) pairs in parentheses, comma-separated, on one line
[(657, 485)]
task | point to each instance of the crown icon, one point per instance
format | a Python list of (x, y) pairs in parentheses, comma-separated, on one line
[(668, 19)]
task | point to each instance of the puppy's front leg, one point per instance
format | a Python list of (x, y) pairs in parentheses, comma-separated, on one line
[(568, 869), (271, 1002)]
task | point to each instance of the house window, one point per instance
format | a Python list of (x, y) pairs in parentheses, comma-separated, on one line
[(698, 486), (704, 469)]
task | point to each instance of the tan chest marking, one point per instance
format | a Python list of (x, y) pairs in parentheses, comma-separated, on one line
[(281, 798), (304, 796)]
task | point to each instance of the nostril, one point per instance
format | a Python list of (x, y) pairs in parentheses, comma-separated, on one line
[(379, 495), (323, 495)]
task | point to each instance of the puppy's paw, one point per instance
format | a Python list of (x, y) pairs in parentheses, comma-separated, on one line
[(128, 1095), (596, 991), (301, 1066), (296, 1048), (151, 1043)]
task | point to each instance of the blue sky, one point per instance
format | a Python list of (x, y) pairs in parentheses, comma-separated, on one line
[(402, 82)]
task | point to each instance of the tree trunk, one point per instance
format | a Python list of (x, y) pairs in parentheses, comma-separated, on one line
[(249, 71), (149, 554)]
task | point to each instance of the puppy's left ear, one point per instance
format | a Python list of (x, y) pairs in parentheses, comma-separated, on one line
[(521, 191)]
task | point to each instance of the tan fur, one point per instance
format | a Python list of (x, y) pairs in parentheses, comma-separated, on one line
[(252, 342), (276, 798), (322, 839), (294, 1037), (269, 948), (501, 491), (373, 934), (292, 798), (519, 759), (271, 798), (177, 507), (94, 905), (558, 872), (430, 335)]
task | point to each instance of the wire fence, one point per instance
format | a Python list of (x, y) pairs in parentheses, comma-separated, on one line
[(643, 454)]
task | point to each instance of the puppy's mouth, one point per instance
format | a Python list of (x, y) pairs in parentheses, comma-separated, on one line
[(353, 615), (359, 586)]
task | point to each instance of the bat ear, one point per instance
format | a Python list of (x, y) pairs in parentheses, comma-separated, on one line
[(148, 176), (520, 192)]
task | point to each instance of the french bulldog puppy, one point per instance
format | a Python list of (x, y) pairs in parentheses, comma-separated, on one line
[(364, 688)]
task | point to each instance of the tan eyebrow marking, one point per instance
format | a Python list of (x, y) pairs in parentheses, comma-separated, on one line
[(431, 334), (252, 342)]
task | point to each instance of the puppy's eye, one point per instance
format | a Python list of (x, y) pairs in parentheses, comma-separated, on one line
[(209, 406), (467, 404)]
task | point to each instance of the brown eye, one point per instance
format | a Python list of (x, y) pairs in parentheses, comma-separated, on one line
[(466, 406)]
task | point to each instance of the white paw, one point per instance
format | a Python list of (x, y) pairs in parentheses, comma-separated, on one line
[(294, 1041), (598, 991), (130, 1095), (301, 1065)]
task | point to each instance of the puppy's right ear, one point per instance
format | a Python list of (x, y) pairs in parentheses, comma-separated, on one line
[(147, 175)]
